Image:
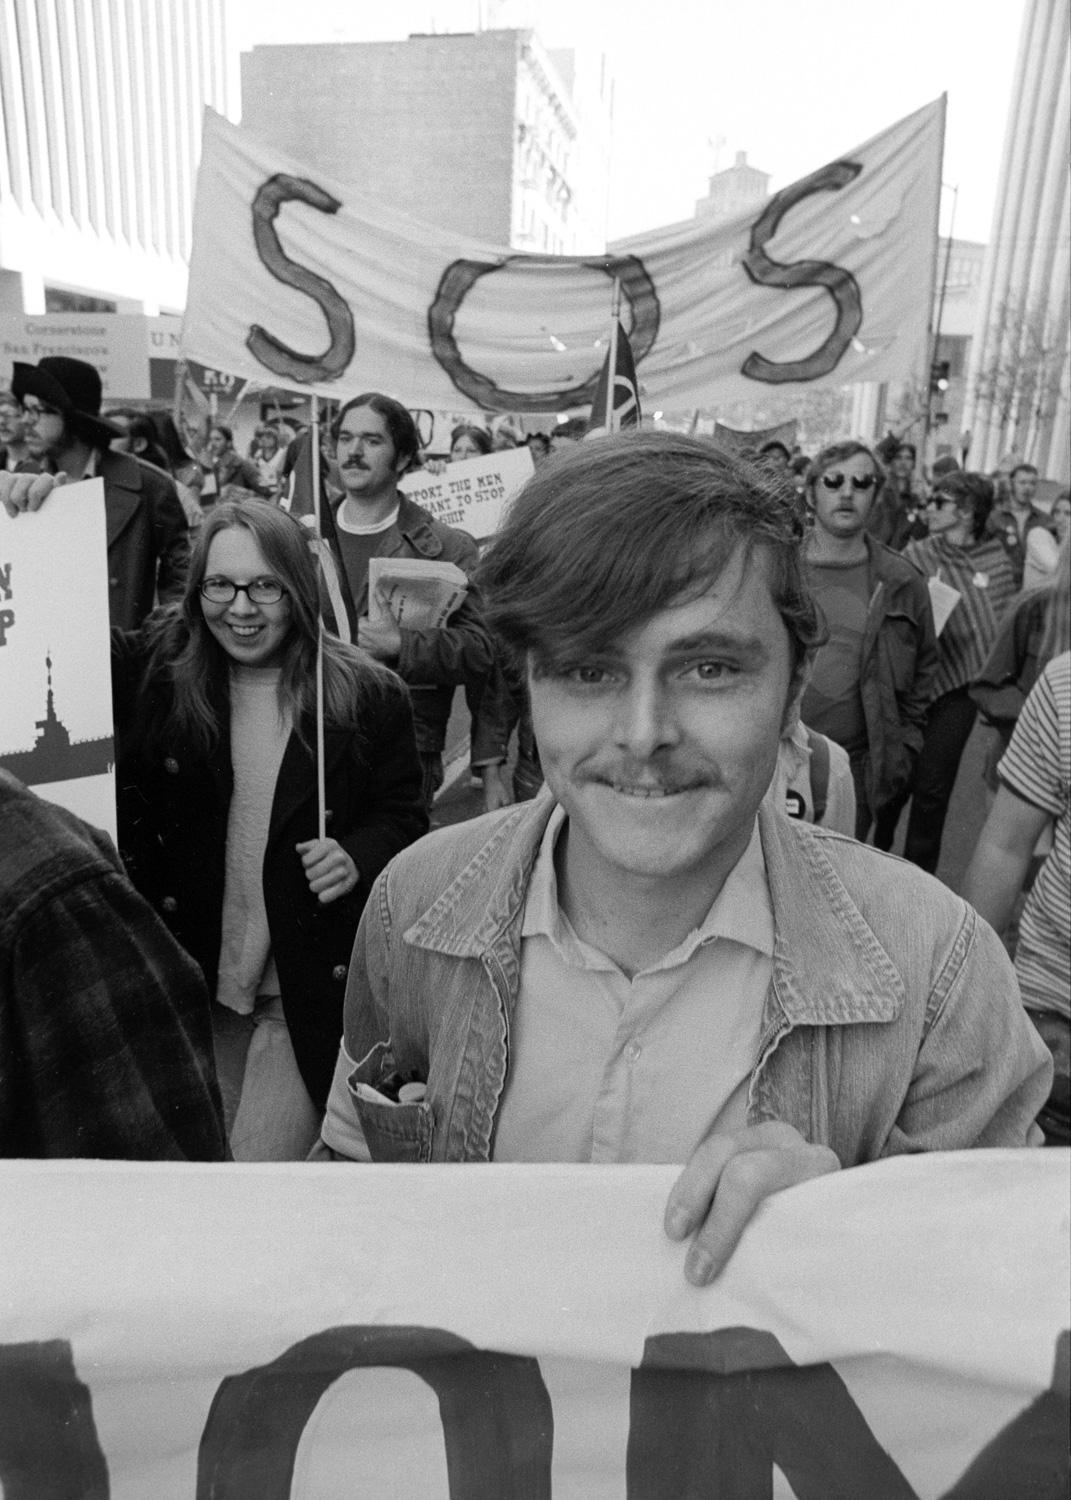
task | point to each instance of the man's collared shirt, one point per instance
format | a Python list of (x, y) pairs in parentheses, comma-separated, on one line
[(607, 1069)]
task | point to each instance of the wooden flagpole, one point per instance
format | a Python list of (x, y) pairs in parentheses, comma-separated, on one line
[(611, 383), (321, 786)]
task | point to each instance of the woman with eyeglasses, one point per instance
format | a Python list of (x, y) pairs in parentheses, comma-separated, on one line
[(958, 552), (218, 817)]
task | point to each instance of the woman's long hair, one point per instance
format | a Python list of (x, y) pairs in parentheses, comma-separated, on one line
[(186, 651)]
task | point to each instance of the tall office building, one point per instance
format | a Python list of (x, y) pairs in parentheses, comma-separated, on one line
[(1020, 371), (100, 135), (487, 134)]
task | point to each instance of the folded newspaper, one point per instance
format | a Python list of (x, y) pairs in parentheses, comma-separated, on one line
[(418, 594)]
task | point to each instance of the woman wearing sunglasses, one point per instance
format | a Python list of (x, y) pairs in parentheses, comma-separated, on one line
[(218, 819), (958, 552)]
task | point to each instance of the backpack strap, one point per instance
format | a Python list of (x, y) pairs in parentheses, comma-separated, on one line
[(819, 747)]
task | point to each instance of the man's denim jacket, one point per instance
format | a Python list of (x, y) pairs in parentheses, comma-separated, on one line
[(892, 1022)]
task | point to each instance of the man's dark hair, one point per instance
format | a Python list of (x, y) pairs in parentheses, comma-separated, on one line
[(1022, 469), (775, 445), (616, 529), (403, 430), (228, 432), (141, 429), (971, 492)]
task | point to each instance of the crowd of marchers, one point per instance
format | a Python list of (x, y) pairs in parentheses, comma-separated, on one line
[(703, 690)]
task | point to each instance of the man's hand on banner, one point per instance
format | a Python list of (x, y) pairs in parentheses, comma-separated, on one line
[(329, 870), (381, 638), (27, 491), (727, 1179)]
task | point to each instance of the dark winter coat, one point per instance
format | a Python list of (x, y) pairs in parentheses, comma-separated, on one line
[(174, 802), (148, 538), (432, 663)]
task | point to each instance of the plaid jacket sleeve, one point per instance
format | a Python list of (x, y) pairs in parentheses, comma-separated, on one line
[(105, 1034)]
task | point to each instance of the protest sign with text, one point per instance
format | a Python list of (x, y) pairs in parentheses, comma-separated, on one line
[(301, 1332), (473, 493), (134, 355), (55, 659), (303, 282)]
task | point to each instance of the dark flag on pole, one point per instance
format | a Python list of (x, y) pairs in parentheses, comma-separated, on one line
[(625, 408)]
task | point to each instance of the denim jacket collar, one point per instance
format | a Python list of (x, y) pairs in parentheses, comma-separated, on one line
[(829, 968), (480, 904)]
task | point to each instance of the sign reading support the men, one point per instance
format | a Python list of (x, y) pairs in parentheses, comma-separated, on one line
[(303, 1332), (473, 493), (303, 282), (55, 660)]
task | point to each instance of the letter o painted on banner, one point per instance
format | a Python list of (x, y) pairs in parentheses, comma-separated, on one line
[(461, 276), (498, 1422)]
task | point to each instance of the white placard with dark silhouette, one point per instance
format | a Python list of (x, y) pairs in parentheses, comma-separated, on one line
[(55, 676)]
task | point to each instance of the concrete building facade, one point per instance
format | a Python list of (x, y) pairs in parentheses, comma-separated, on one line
[(960, 266), (486, 134), (100, 135), (1019, 382), (733, 190)]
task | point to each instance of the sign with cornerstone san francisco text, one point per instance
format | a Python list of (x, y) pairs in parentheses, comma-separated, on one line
[(473, 493), (897, 1332), (55, 661)]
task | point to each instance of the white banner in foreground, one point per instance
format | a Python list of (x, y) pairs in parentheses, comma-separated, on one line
[(55, 662), (898, 1332), (300, 281)]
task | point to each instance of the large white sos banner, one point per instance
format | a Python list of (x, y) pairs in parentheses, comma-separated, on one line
[(180, 1332)]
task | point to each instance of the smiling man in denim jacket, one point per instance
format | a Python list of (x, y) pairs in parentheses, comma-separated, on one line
[(645, 964)]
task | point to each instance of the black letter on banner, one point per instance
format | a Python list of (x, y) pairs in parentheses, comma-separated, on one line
[(461, 276), (48, 1440), (839, 283), (1030, 1456), (711, 1413), (498, 1423), (264, 346)]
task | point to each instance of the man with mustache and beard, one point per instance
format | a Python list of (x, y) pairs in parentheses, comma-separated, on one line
[(873, 678), (377, 442), (649, 962)]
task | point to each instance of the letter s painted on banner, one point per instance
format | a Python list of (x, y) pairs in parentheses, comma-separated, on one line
[(839, 283), (265, 347)]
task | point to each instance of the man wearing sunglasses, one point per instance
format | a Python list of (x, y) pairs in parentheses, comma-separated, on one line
[(148, 537), (873, 678)]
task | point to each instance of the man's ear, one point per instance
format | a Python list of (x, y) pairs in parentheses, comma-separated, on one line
[(795, 696)]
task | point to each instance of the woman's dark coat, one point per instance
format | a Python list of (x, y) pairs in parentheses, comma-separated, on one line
[(173, 805)]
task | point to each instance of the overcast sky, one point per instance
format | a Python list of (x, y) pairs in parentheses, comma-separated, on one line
[(794, 83)]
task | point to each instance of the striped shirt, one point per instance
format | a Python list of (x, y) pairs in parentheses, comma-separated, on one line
[(1038, 768), (985, 579)]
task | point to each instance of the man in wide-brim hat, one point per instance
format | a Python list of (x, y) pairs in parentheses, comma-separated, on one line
[(148, 538)]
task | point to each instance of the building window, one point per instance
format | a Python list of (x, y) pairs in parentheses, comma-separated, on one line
[(59, 301)]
